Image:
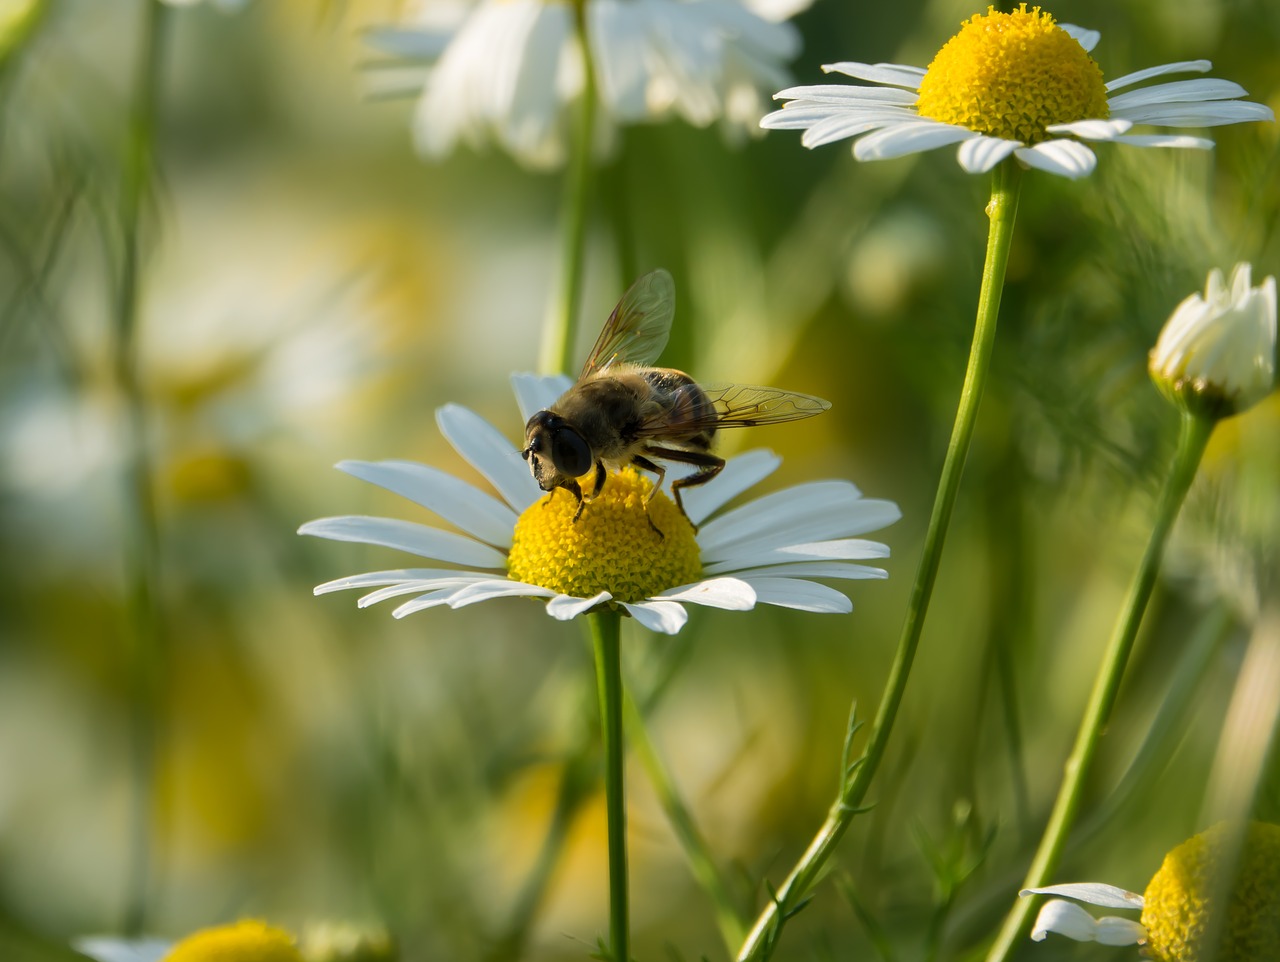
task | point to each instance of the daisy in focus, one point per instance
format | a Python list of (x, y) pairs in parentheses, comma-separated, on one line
[(767, 551), (1010, 84), (507, 71), (1224, 882)]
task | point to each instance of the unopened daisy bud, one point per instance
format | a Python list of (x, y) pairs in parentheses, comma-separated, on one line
[(1192, 895), (1217, 353)]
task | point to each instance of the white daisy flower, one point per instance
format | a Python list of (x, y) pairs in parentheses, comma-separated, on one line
[(1217, 352), (507, 71), (527, 545), (1010, 83), (1230, 871)]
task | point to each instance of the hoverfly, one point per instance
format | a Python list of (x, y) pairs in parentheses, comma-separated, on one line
[(623, 411)]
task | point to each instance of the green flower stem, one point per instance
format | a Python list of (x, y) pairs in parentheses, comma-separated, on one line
[(1002, 212), (606, 632), (142, 551), (733, 927), (1191, 444), (560, 334)]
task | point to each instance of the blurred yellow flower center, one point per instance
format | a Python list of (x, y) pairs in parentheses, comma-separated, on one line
[(1196, 893), (611, 547), (1011, 75), (245, 941)]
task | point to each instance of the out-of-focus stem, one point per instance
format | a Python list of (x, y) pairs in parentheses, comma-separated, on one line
[(560, 333), (1191, 444), (142, 550), (733, 927)]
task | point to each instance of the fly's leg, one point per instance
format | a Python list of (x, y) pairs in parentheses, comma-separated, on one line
[(708, 466), (642, 462)]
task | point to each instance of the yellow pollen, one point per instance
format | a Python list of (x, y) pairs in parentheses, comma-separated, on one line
[(1011, 75), (1193, 895), (245, 941), (611, 547)]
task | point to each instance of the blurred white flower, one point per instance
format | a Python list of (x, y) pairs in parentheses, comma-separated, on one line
[(1216, 355), (1009, 84), (506, 71), (111, 948)]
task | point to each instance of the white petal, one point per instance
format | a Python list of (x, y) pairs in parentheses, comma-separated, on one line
[(801, 595), (666, 617), (981, 154), (842, 549), (1177, 92), (497, 588), (1066, 158), (536, 393), (1117, 931), (739, 474), (1069, 919), (731, 594), (417, 539), (1165, 140), (395, 576), (457, 582), (802, 114), (447, 596), (1086, 38), (490, 453), (1182, 66), (433, 599), (1064, 918), (1092, 129), (893, 74), (847, 125), (1212, 114), (796, 515), (848, 95), (909, 138), (111, 948), (817, 569), (454, 500), (565, 607), (1095, 893)]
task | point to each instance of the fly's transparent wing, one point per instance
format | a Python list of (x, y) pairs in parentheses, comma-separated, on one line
[(637, 330), (694, 409)]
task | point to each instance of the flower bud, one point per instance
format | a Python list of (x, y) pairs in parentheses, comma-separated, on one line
[(1217, 353)]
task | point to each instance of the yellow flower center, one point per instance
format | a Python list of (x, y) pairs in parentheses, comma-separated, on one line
[(1011, 75), (611, 547), (245, 941), (1195, 894)]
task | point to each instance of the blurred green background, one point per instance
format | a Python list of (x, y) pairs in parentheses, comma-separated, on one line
[(312, 291)]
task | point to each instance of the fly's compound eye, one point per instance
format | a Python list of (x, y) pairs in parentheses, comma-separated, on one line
[(569, 453)]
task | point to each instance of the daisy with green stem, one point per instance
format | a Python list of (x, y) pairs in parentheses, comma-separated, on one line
[(775, 550), (1015, 91)]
